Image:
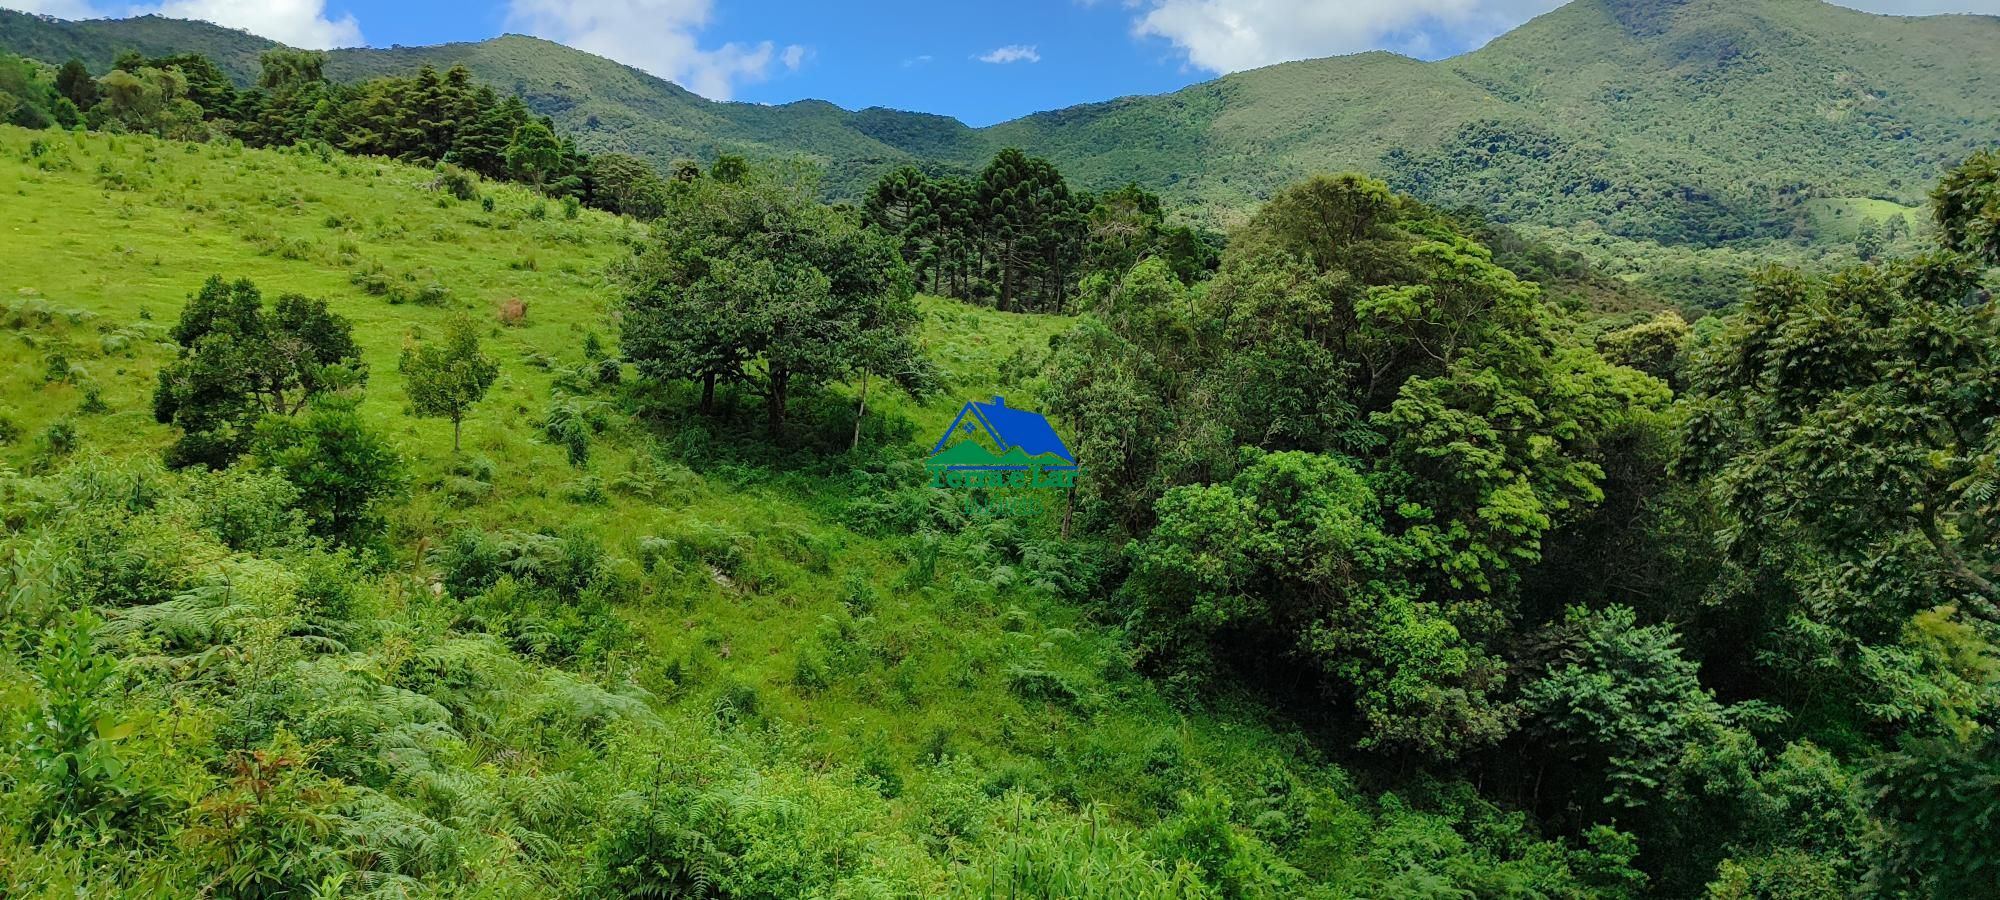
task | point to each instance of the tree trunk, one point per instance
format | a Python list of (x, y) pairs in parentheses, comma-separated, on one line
[(774, 403), (457, 422), (1006, 282), (708, 393), (860, 409)]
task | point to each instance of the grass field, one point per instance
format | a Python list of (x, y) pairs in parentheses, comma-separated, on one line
[(915, 690), (885, 698)]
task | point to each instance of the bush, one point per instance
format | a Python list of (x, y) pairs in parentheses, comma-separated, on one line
[(247, 509), (456, 181), (55, 443), (341, 468)]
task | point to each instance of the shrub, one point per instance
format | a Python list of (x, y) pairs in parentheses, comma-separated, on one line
[(341, 468), (247, 509), (455, 181), (56, 442)]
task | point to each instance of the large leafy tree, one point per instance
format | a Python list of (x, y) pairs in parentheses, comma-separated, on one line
[(1855, 415), (1966, 206), (1293, 555), (240, 360), (75, 83), (1360, 331), (753, 280), (341, 468), (535, 154)]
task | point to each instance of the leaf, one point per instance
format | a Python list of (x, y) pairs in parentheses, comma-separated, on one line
[(110, 732)]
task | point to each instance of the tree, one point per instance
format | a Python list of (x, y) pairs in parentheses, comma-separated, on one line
[(755, 281), (285, 70), (1936, 801), (342, 469), (444, 379), (239, 362), (1857, 415), (626, 185), (149, 101), (1966, 206), (74, 82), (535, 153), (1292, 556), (1033, 228)]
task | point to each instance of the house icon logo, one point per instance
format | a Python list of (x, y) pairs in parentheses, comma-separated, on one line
[(993, 445)]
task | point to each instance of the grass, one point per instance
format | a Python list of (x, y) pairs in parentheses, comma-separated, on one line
[(799, 648)]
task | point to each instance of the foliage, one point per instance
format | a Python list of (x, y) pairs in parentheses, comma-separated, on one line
[(341, 469), (445, 378), (240, 361), (754, 281)]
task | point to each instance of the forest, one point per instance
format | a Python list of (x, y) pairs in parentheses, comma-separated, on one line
[(398, 502)]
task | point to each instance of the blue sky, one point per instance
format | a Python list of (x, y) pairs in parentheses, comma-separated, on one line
[(978, 60)]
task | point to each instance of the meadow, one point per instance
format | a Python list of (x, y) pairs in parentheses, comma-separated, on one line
[(784, 672)]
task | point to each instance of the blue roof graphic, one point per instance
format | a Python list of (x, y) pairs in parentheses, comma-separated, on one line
[(1010, 428)]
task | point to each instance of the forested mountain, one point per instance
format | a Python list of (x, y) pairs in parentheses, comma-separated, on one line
[(1697, 122)]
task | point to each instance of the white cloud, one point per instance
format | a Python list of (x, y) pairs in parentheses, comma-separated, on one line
[(658, 36), (917, 61), (1011, 53), (1233, 35), (300, 23)]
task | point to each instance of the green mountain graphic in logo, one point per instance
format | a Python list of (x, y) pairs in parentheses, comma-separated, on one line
[(965, 454)]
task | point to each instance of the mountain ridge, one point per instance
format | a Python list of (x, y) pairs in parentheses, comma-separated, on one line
[(1684, 122)]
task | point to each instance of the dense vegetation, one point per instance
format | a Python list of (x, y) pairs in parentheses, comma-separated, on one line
[(429, 118), (343, 555)]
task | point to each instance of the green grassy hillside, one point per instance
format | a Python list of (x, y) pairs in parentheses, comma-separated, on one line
[(764, 654)]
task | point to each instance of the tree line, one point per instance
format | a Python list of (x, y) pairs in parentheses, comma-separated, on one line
[(1726, 592), (430, 118), (1018, 236)]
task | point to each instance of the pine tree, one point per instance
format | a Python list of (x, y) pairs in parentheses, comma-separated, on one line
[(74, 82)]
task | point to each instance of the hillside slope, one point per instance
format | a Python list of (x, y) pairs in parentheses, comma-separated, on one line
[(774, 652), (1676, 121)]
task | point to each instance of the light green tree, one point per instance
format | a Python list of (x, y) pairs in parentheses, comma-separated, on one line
[(445, 378)]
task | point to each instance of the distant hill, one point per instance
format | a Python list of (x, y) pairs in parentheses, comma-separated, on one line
[(1675, 121)]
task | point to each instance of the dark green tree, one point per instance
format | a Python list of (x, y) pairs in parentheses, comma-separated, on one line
[(341, 468), (535, 154), (1966, 207), (74, 81), (755, 281), (239, 362)]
